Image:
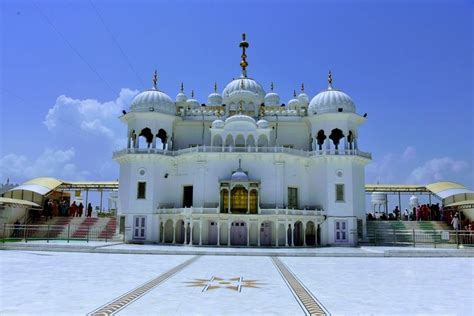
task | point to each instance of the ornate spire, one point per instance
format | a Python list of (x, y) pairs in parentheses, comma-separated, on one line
[(302, 88), (329, 80), (241, 107), (155, 79), (192, 94), (182, 88), (271, 86), (294, 93), (215, 87), (243, 63)]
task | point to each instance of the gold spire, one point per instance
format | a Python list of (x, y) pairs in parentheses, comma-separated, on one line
[(215, 87), (302, 88), (241, 107), (243, 63), (329, 80), (192, 94), (271, 86), (294, 93), (155, 79), (182, 87)]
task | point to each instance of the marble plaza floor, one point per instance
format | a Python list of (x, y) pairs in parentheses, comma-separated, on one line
[(70, 283)]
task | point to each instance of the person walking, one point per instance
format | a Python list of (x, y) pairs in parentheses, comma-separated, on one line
[(89, 210), (80, 209), (73, 209)]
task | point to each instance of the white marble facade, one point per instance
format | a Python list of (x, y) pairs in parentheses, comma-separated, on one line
[(243, 169)]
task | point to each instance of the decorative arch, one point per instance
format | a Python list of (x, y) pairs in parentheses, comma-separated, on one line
[(179, 232), (250, 141), (336, 136), (168, 231), (217, 140), (320, 138), (132, 140), (262, 141), (350, 140), (163, 137), (310, 234), (253, 201), (229, 140), (298, 233), (224, 201), (239, 141), (147, 134)]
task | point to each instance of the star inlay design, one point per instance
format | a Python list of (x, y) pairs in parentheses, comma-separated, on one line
[(234, 284)]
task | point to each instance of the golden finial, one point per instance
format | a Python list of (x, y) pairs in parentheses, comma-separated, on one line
[(294, 93), (241, 107), (243, 63), (182, 87), (302, 88), (192, 94), (215, 87), (271, 86), (330, 79), (155, 79)]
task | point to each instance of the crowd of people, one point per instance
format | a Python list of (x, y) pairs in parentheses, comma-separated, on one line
[(61, 208), (424, 212)]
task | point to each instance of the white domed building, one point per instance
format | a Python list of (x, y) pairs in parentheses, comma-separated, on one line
[(243, 169)]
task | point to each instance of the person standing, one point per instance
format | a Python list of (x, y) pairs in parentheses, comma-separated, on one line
[(89, 210), (80, 209), (455, 221)]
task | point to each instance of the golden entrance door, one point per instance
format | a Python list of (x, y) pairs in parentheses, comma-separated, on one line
[(239, 200)]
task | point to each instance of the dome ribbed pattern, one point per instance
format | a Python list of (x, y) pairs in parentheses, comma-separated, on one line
[(159, 101), (330, 101), (240, 118), (272, 99), (214, 99), (244, 86)]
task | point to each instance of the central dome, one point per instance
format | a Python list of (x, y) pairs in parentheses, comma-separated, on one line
[(153, 100), (245, 89)]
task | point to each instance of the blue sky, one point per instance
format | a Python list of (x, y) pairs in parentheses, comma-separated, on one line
[(408, 64)]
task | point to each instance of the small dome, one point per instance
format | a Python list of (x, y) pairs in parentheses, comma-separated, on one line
[(272, 99), (293, 104), (193, 103), (262, 123), (240, 118), (218, 124), (181, 97), (331, 101), (214, 99), (240, 176), (153, 100), (304, 99), (244, 88)]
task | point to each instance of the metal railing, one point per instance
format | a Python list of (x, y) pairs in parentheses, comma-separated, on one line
[(25, 232), (250, 149), (412, 237)]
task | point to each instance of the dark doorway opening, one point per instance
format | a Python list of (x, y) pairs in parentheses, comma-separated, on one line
[(188, 196)]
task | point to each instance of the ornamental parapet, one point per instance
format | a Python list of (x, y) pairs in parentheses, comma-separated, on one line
[(232, 149)]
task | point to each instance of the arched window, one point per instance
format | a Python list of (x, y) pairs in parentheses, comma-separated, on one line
[(250, 141), (229, 140), (146, 133), (240, 141), (163, 137), (224, 201), (336, 136), (253, 201), (217, 140), (321, 138), (262, 141)]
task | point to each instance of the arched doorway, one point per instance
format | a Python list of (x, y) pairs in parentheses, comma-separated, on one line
[(250, 141), (239, 200), (180, 231), (310, 234), (266, 233), (217, 141), (240, 141), (262, 141), (169, 231), (229, 140), (298, 233), (238, 233), (212, 233)]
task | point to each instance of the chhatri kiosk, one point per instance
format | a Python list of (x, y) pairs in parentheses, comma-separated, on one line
[(243, 169)]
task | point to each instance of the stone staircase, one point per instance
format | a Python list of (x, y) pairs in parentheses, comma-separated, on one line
[(402, 232)]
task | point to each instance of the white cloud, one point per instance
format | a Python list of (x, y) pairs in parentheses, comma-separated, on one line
[(409, 153), (382, 170), (73, 117), (437, 169), (51, 163)]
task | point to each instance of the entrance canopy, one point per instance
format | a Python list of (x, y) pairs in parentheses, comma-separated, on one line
[(17, 203)]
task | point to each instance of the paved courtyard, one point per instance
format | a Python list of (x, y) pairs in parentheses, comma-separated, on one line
[(58, 283)]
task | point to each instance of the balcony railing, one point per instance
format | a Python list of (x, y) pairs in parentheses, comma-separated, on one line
[(216, 210), (232, 149)]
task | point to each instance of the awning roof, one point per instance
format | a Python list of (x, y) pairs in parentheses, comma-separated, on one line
[(438, 187), (17, 202), (466, 204), (395, 188)]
